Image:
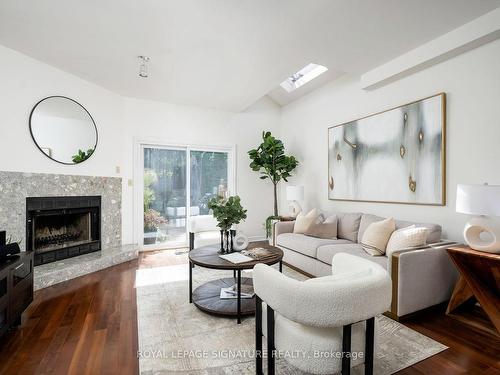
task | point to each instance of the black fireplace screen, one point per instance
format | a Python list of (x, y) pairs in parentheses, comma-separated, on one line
[(62, 227)]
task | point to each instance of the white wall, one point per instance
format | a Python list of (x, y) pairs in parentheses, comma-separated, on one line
[(472, 84), (177, 124), (24, 81)]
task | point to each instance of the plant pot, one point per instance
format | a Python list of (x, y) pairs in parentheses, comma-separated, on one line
[(150, 237)]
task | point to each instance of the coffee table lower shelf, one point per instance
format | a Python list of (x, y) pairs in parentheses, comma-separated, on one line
[(207, 298)]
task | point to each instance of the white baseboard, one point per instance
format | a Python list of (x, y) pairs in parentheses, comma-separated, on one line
[(257, 238)]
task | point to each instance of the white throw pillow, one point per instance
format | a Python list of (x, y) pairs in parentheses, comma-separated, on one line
[(302, 222), (377, 236), (407, 238)]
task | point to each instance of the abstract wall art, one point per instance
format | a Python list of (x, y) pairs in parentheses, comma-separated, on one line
[(395, 156)]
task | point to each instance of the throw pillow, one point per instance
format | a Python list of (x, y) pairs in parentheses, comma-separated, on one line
[(302, 222), (407, 238), (326, 230), (377, 236), (348, 226)]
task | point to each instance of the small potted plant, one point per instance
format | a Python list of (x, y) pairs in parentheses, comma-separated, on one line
[(152, 222), (227, 212)]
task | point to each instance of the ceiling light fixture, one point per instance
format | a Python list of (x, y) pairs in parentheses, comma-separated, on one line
[(304, 75), (143, 67)]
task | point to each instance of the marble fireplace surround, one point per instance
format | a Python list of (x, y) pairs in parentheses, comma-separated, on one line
[(15, 187)]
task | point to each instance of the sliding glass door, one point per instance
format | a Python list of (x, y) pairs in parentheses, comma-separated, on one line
[(178, 182)]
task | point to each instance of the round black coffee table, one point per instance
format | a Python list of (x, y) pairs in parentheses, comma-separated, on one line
[(207, 296)]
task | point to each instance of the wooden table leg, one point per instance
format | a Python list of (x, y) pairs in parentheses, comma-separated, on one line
[(461, 294), (478, 277)]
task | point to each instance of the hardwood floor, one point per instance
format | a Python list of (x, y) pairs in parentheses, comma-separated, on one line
[(89, 326), (84, 326)]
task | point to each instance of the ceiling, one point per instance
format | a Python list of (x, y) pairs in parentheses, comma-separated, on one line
[(223, 54)]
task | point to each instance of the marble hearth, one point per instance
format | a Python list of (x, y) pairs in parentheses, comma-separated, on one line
[(15, 187), (57, 272)]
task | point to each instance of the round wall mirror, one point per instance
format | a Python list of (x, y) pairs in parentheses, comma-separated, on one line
[(63, 130)]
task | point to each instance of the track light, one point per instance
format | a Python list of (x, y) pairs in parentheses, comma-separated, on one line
[(143, 67)]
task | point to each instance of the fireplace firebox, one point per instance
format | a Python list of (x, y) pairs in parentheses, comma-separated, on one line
[(62, 227)]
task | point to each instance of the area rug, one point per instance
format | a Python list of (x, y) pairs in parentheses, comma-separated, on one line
[(177, 338)]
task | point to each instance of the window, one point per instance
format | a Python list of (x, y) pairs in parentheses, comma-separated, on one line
[(304, 75), (178, 182)]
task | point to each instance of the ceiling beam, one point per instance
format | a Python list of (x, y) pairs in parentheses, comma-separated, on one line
[(471, 35)]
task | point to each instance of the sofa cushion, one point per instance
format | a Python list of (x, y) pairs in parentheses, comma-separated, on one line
[(325, 253), (348, 226), (304, 244), (433, 233), (346, 275)]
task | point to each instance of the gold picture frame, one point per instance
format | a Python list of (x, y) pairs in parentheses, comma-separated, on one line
[(415, 108)]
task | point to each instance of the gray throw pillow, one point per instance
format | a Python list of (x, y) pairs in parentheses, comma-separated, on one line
[(326, 229), (348, 226)]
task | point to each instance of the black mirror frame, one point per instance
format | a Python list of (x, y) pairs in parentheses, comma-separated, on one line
[(74, 101)]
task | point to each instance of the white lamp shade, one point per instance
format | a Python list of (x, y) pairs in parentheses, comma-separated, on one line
[(478, 199), (295, 193)]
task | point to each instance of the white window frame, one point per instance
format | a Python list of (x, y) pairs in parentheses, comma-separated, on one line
[(139, 145)]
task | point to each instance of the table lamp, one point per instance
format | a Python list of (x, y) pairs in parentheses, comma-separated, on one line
[(293, 195), (483, 201)]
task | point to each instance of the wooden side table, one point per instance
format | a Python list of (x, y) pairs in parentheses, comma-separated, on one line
[(479, 281)]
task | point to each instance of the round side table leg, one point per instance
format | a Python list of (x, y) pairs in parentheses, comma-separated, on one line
[(190, 282), (281, 266), (239, 297)]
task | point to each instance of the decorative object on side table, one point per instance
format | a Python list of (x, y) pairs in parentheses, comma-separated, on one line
[(227, 212), (295, 194), (482, 232), (240, 241), (479, 281)]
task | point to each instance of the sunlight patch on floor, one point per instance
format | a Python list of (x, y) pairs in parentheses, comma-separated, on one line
[(161, 275)]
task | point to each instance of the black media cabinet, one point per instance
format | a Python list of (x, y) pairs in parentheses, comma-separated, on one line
[(16, 289)]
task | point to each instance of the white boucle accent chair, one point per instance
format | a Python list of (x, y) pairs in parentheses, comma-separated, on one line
[(203, 230), (321, 316)]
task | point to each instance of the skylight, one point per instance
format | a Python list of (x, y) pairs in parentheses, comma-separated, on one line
[(304, 75)]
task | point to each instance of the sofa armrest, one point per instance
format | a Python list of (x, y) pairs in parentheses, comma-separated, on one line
[(421, 278), (283, 227)]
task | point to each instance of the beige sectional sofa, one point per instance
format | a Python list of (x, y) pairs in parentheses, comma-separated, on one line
[(421, 277)]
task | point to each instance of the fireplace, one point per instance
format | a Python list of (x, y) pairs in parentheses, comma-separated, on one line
[(62, 227)]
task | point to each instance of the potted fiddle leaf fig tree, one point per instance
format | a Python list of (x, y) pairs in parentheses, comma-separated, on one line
[(270, 161), (227, 212)]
